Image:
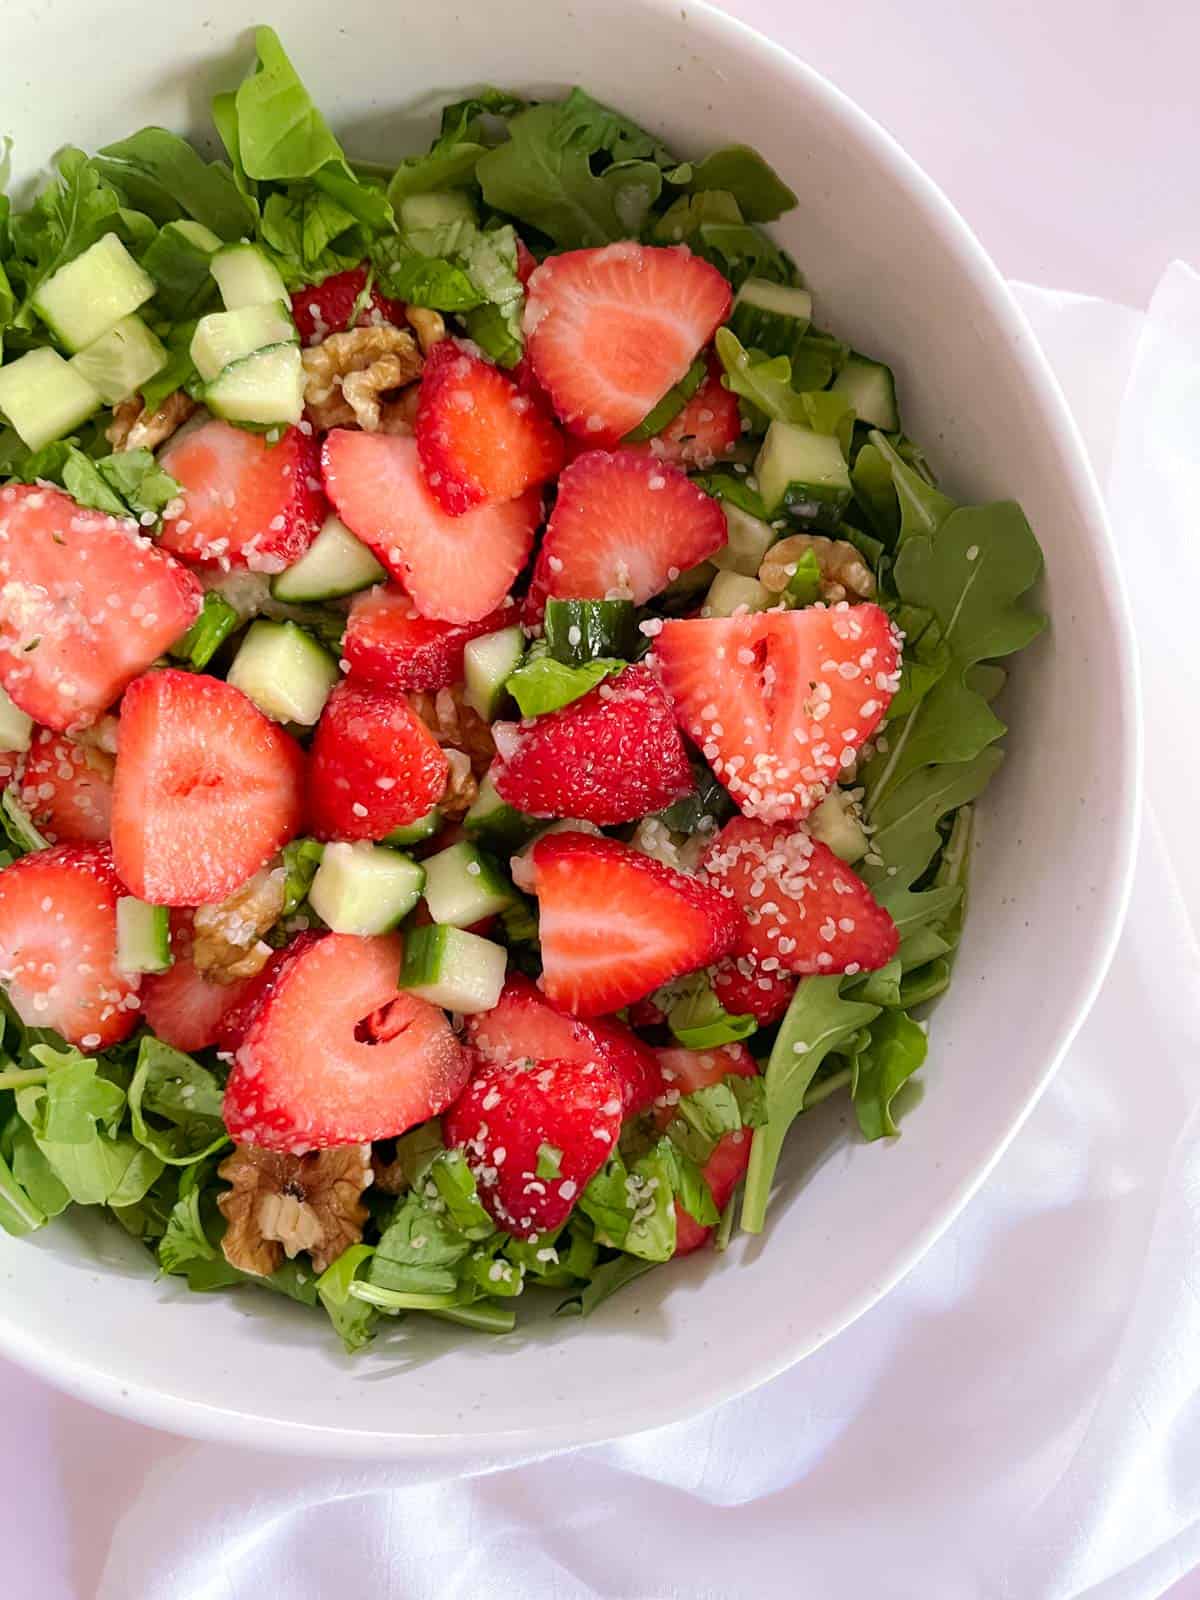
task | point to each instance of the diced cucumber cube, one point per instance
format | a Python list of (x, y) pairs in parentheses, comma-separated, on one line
[(44, 397), (335, 564), (284, 671), (452, 968), (422, 211), (365, 888), (143, 936), (584, 630), (733, 592), (416, 832), (223, 337), (803, 473), (871, 390), (92, 293), (497, 823), (748, 542), (463, 885), (195, 233), (265, 388), (121, 360), (835, 824), (488, 663), (16, 728), (245, 277), (771, 317)]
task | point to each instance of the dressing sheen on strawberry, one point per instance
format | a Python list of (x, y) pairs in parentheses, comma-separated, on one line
[(610, 330), (390, 645), (685, 1071), (327, 307), (182, 1006), (207, 789), (67, 789), (624, 526), (334, 1054), (611, 756), (373, 766), (457, 569), (245, 502), (86, 603), (58, 946), (481, 440), (615, 924), (781, 702), (806, 911)]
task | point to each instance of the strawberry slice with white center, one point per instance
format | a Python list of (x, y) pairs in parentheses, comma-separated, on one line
[(615, 924), (507, 1117), (207, 789), (707, 428), (806, 911), (685, 1071), (86, 603), (245, 502), (334, 1054), (390, 645), (624, 526), (328, 307), (457, 569), (67, 789), (58, 946), (481, 440), (610, 330), (183, 1007), (781, 702), (373, 766)]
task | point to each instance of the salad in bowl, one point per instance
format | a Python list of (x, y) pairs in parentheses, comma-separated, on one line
[(493, 705)]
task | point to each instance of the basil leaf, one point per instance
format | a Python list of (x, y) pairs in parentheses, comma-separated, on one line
[(543, 684), (163, 175)]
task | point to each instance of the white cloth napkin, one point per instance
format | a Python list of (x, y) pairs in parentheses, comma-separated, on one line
[(1017, 1421)]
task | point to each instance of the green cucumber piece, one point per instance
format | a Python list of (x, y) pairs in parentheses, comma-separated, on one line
[(496, 823), (586, 630), (217, 620), (284, 671), (265, 388), (463, 885), (143, 936), (245, 277), (91, 294), (452, 968), (835, 824), (803, 473), (365, 888), (416, 832), (44, 397), (871, 390), (771, 317), (335, 564), (419, 212), (16, 728), (669, 407), (731, 592), (488, 663), (223, 337), (748, 542), (121, 360)]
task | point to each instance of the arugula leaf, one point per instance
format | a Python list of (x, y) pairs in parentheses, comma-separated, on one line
[(178, 1091), (179, 370), (700, 1022), (19, 1214), (738, 169), (406, 273), (67, 217), (895, 1049), (541, 684), (766, 382), (711, 222), (419, 1251), (163, 175), (35, 1174), (455, 153), (923, 507), (455, 1185), (310, 234), (605, 1281), (353, 1320), (280, 133), (144, 488), (906, 837)]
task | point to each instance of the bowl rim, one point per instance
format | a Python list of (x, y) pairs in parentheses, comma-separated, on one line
[(157, 1408)]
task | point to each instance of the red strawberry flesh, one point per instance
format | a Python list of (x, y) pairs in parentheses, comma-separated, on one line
[(390, 645), (66, 788), (373, 765)]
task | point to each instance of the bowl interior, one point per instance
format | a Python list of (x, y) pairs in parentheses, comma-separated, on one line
[(894, 271)]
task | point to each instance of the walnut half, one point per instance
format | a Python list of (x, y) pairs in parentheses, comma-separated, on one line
[(348, 375), (227, 942), (844, 573), (133, 427), (282, 1204), (466, 739)]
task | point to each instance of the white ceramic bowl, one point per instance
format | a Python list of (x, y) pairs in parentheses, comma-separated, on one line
[(895, 270)]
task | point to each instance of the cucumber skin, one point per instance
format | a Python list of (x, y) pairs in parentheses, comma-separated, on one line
[(606, 629), (415, 832), (429, 951)]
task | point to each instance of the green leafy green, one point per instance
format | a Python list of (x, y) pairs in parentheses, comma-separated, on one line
[(906, 836), (310, 234), (701, 1119), (766, 382), (894, 1050), (352, 1318), (455, 153), (217, 620), (804, 585), (177, 1091), (301, 858), (541, 684), (463, 269), (669, 407), (605, 1281), (739, 170), (18, 827), (711, 222), (700, 1022), (67, 217), (280, 133), (19, 1214), (161, 174)]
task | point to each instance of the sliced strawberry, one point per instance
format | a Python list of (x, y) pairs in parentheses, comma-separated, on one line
[(615, 924), (236, 1021), (480, 439), (781, 702), (688, 1070), (58, 945), (631, 1060), (624, 526), (805, 910), (334, 1054), (509, 1112), (207, 789), (526, 262), (373, 766), (67, 789), (610, 756), (706, 429), (744, 989), (245, 502), (609, 331), (327, 307), (685, 1071), (183, 1007), (722, 1172), (389, 644), (86, 603), (458, 569)]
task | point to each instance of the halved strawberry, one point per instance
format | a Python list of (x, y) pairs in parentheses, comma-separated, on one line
[(327, 307), (685, 1071), (722, 1172), (245, 502), (58, 945), (334, 1054), (373, 765), (744, 989), (480, 439), (610, 756), (183, 1007), (706, 429), (609, 331), (207, 789), (86, 603), (67, 789), (615, 924), (805, 910), (509, 1113), (781, 702), (389, 644), (624, 526), (458, 569)]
